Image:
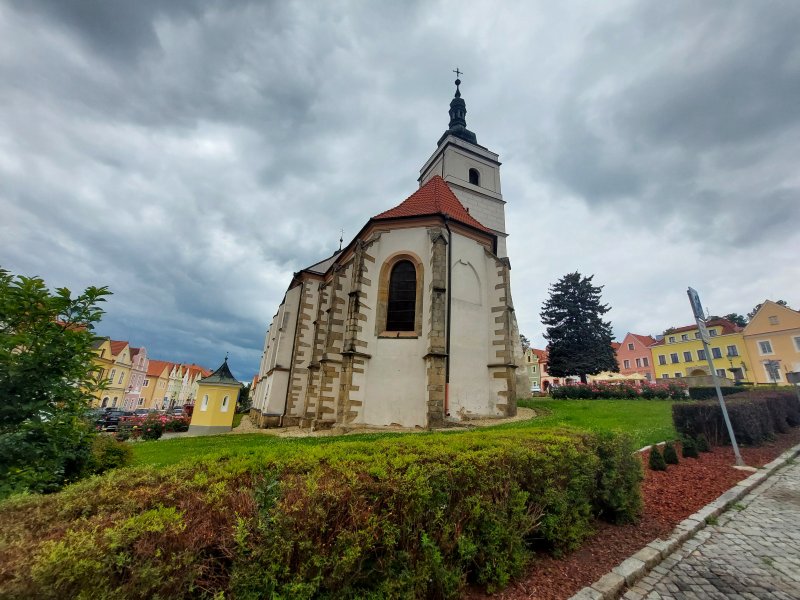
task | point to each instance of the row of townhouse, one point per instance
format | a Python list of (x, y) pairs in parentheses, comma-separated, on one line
[(133, 380), (763, 352)]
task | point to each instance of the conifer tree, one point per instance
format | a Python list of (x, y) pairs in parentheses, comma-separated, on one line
[(689, 448), (656, 461), (670, 455), (579, 339)]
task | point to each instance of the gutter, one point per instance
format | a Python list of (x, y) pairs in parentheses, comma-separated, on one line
[(449, 303)]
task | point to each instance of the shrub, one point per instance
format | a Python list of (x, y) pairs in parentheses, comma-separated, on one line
[(123, 432), (47, 376), (677, 390), (670, 455), (702, 443), (689, 448), (707, 393), (177, 424), (107, 454), (657, 462), (755, 416), (414, 516), (152, 428), (619, 390)]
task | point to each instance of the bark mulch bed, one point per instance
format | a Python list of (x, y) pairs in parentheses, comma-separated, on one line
[(669, 497)]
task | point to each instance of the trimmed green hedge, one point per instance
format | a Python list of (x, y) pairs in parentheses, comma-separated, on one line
[(417, 516), (755, 416), (607, 390), (706, 393)]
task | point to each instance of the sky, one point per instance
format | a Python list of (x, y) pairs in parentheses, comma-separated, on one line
[(192, 155)]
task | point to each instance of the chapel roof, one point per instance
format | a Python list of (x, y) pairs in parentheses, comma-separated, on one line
[(221, 375), (433, 198)]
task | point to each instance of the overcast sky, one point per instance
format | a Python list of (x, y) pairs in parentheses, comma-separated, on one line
[(193, 155)]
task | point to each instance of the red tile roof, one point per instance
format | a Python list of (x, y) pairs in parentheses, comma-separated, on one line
[(195, 370), (156, 367), (647, 340), (542, 354), (615, 345), (727, 327), (117, 347), (433, 198)]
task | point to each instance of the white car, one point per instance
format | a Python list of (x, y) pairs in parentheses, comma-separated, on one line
[(535, 389)]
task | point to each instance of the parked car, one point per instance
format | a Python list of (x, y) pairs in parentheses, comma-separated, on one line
[(535, 389), (142, 412), (111, 419)]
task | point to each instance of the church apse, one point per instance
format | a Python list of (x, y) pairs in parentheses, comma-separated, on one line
[(411, 324)]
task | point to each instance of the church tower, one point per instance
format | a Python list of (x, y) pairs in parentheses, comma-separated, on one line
[(471, 170)]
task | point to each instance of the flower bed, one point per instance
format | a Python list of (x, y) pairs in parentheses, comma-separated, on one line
[(674, 390)]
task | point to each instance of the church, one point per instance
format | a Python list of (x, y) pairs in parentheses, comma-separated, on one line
[(411, 324)]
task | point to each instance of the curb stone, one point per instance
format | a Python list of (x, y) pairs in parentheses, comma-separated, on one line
[(625, 575)]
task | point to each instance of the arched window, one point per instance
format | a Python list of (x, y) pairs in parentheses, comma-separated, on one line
[(224, 407), (402, 302), (474, 177), (204, 405)]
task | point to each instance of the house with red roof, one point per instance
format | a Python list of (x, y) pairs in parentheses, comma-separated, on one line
[(411, 323), (133, 391), (634, 355)]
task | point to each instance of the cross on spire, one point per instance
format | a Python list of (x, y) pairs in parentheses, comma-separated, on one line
[(457, 72)]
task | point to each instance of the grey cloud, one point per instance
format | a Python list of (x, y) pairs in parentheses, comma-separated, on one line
[(192, 155)]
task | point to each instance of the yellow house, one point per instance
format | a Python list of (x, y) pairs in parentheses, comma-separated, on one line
[(773, 340), (114, 358), (103, 363), (216, 402), (680, 353), (154, 388)]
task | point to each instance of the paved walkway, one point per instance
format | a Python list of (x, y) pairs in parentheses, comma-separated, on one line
[(753, 552)]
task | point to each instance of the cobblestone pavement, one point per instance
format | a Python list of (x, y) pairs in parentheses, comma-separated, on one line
[(753, 552)]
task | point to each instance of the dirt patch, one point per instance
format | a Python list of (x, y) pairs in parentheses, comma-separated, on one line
[(669, 497)]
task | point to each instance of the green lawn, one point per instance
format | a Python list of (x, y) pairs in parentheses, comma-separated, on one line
[(649, 421)]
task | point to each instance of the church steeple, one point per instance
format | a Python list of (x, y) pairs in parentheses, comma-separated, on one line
[(458, 114)]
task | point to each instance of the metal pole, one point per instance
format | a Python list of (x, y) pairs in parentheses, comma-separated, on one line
[(739, 461)]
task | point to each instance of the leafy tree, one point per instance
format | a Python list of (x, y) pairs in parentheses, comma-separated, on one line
[(244, 401), (46, 379), (526, 343), (579, 339), (736, 319), (753, 312)]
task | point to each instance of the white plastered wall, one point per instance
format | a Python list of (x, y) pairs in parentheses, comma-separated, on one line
[(395, 382), (279, 353), (473, 391)]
